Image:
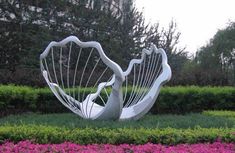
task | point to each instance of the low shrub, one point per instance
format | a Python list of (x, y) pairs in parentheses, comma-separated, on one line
[(170, 136), (194, 99), (178, 100), (47, 102), (15, 99)]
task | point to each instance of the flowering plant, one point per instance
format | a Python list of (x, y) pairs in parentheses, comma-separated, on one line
[(67, 147)]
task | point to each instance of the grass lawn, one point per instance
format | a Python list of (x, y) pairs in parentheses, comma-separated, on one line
[(207, 119)]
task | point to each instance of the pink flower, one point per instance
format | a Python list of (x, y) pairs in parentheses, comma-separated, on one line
[(67, 147)]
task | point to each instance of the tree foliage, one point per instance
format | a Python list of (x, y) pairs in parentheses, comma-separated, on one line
[(28, 26), (217, 58)]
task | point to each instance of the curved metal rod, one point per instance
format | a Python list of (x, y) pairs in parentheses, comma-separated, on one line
[(112, 65)]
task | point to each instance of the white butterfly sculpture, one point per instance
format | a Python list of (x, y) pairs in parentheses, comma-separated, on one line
[(92, 86)]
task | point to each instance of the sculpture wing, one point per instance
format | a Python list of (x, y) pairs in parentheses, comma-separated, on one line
[(71, 66), (144, 78)]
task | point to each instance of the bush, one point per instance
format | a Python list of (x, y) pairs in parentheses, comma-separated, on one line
[(170, 136), (178, 100), (47, 102), (194, 99), (17, 98)]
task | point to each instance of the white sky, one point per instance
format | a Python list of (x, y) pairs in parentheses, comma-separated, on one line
[(197, 20)]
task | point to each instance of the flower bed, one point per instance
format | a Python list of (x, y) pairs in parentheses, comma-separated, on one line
[(27, 146)]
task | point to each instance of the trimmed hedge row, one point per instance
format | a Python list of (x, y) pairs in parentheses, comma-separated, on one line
[(17, 99), (171, 99), (170, 136), (194, 99)]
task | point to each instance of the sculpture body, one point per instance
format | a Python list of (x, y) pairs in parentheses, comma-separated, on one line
[(69, 65)]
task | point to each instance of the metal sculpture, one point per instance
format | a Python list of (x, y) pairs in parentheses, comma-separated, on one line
[(69, 65)]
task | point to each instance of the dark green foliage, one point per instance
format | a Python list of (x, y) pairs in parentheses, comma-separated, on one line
[(216, 60), (170, 136), (170, 100), (28, 26)]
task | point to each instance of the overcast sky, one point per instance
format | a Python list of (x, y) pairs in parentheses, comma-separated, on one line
[(198, 20)]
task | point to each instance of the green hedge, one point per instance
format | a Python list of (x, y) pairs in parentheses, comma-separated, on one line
[(48, 134), (194, 99), (17, 98), (171, 99)]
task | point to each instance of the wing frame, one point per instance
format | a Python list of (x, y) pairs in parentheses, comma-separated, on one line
[(113, 108), (139, 109)]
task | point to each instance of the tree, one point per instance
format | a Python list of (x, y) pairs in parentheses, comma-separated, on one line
[(217, 58), (28, 27), (168, 39)]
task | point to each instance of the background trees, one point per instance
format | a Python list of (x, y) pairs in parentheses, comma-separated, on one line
[(28, 26), (216, 60)]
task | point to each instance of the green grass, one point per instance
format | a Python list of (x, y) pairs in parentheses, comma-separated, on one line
[(207, 119), (229, 114)]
